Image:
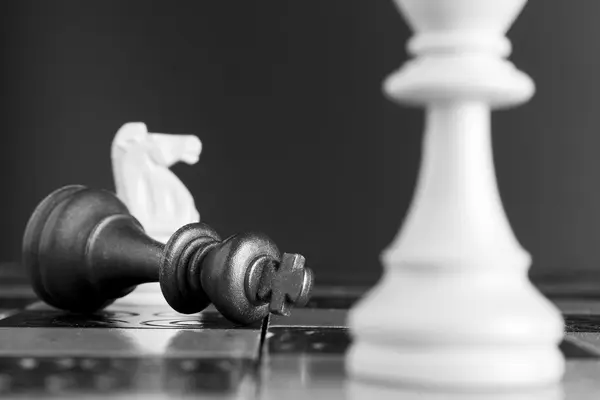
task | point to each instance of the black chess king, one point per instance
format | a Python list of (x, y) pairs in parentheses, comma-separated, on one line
[(83, 250)]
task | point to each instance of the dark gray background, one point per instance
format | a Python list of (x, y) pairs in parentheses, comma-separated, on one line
[(299, 140)]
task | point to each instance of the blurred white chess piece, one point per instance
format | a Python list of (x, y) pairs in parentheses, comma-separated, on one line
[(151, 191), (454, 308), (144, 182)]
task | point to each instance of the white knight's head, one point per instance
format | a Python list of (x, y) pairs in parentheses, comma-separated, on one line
[(168, 149)]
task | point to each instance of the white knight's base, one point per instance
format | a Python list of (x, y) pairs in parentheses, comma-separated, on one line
[(456, 329)]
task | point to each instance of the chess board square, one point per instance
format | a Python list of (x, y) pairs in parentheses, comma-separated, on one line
[(102, 342), (149, 351), (312, 317), (118, 316), (305, 340), (37, 376), (582, 323)]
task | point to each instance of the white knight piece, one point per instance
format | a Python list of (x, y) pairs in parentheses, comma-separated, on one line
[(144, 182)]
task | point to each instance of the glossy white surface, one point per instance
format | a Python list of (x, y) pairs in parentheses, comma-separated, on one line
[(144, 182), (455, 309)]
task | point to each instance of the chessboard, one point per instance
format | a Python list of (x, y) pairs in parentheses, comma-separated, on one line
[(139, 347)]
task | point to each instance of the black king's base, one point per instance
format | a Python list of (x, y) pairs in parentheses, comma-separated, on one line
[(83, 250)]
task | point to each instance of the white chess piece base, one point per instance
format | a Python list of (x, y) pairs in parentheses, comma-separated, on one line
[(456, 330), (354, 390)]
